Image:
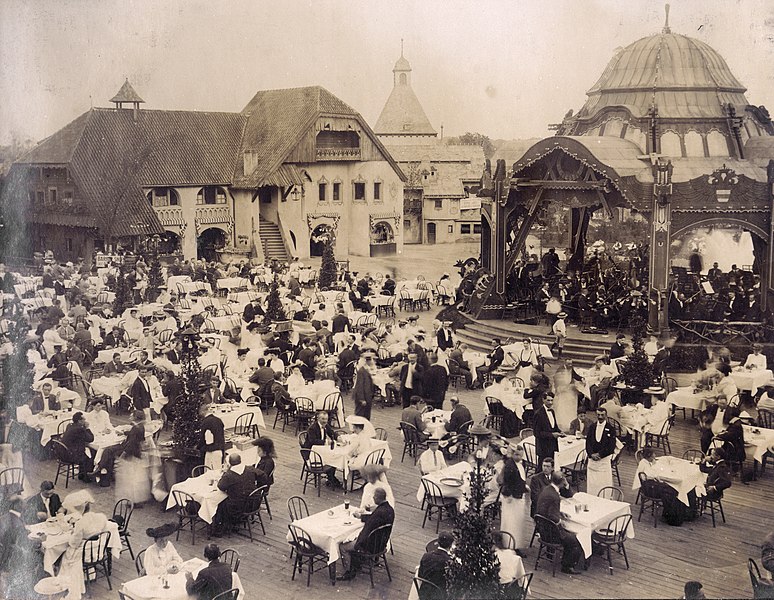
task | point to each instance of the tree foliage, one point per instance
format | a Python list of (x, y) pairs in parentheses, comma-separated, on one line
[(123, 299), (474, 139), (274, 310), (155, 279), (636, 370), (328, 276), (185, 427)]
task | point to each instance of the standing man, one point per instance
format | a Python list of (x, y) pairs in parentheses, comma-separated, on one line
[(444, 337), (141, 392), (410, 379), (560, 333), (600, 447), (212, 439), (547, 432), (363, 391), (436, 382)]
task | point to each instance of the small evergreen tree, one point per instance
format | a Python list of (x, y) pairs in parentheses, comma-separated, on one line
[(155, 279), (123, 298), (185, 427), (17, 374), (328, 276), (636, 370), (475, 571), (274, 309)]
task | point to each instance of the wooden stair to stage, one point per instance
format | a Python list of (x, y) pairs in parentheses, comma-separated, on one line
[(580, 347)]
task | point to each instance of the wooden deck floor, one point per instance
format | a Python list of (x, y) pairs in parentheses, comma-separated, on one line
[(662, 559)]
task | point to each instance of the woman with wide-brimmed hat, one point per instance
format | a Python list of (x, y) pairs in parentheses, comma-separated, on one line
[(161, 557)]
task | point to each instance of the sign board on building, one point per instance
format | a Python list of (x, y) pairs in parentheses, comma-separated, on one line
[(470, 204)]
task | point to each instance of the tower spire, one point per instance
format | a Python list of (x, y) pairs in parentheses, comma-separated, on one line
[(401, 47), (666, 28)]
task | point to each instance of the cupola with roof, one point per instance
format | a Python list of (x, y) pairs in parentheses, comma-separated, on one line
[(684, 85), (402, 114)]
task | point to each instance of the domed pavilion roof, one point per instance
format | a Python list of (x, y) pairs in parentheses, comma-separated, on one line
[(682, 76)]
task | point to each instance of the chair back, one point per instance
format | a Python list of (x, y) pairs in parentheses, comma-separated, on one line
[(381, 434), (616, 425), (433, 491), (693, 455), (123, 511), (139, 563), (766, 419), (526, 433), (530, 455), (610, 492), (60, 429), (378, 539), (302, 542), (199, 470), (410, 433), (755, 575), (616, 528), (424, 583), (647, 487), (302, 437), (548, 530), (12, 479), (230, 557), (465, 427), (375, 457), (231, 594), (183, 501), (297, 508), (509, 542), (304, 405), (495, 406), (315, 461), (252, 504), (244, 424), (330, 402), (95, 548), (61, 452)]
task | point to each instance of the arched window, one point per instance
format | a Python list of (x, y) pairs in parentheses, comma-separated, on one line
[(403, 79), (694, 145), (211, 194), (382, 233), (670, 144), (716, 143), (161, 197), (613, 128)]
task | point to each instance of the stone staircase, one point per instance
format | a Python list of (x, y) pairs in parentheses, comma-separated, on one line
[(580, 347), (271, 241)]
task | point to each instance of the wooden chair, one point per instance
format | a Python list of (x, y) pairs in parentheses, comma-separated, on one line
[(313, 470), (232, 558), (508, 541), (577, 472), (435, 501), (518, 588), (766, 419), (412, 441), (65, 464), (649, 500), (199, 470), (496, 411), (435, 591), (378, 539), (661, 439), (231, 594), (526, 433), (693, 455), (456, 379), (613, 536), (714, 506), (244, 425), (12, 481), (550, 540), (305, 413), (96, 558), (375, 457), (611, 493), (760, 589), (139, 563), (187, 514), (286, 415), (250, 512), (331, 404), (530, 457), (307, 552), (122, 514), (381, 434), (297, 508)]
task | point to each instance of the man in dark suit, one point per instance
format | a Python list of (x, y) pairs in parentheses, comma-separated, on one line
[(347, 357), (618, 348), (432, 568), (340, 323), (444, 336), (413, 416), (320, 433), (547, 432), (540, 481), (213, 579), (77, 437), (435, 383), (41, 506), (383, 515), (212, 438), (21, 566), (459, 416), (213, 395), (140, 391), (363, 391), (496, 357), (459, 366), (548, 505), (45, 401), (238, 482), (411, 375)]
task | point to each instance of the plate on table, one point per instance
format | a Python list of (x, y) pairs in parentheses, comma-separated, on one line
[(451, 481)]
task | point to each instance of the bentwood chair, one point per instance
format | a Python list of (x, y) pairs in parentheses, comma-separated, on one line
[(307, 552), (139, 563), (122, 513), (437, 502), (96, 558), (613, 536), (377, 542), (230, 557)]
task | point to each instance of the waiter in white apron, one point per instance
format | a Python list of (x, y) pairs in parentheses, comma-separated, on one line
[(600, 448)]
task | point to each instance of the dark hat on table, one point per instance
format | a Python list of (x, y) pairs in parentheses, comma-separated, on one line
[(162, 531)]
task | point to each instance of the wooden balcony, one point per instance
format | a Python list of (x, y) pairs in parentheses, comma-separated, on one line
[(338, 153)]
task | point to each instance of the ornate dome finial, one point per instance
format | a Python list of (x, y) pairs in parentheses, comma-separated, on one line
[(666, 28)]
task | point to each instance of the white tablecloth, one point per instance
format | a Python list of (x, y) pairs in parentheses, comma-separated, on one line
[(685, 397), (152, 588), (204, 490), (329, 531), (229, 417), (751, 380), (458, 471), (437, 428), (758, 443), (338, 457), (569, 447), (230, 283), (58, 538), (601, 512), (50, 424), (680, 474), (192, 286)]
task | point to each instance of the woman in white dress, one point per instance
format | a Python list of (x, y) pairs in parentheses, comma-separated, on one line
[(513, 501), (162, 558), (375, 476), (565, 398)]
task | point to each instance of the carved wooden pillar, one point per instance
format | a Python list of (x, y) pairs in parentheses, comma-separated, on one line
[(661, 222)]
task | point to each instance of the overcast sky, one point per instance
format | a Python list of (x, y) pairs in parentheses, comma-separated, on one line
[(502, 68)]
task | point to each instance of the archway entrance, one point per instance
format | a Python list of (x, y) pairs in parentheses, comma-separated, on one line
[(170, 243), (320, 236), (382, 239), (209, 242)]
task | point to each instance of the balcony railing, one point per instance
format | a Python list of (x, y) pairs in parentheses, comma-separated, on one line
[(338, 153), (170, 215)]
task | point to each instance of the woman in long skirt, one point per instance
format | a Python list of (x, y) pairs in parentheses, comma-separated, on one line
[(513, 497), (133, 476), (566, 399)]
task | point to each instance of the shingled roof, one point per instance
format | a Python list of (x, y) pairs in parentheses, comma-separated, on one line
[(127, 94), (276, 122), (112, 154), (403, 114)]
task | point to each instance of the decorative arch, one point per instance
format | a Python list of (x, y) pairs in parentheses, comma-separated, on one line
[(722, 220)]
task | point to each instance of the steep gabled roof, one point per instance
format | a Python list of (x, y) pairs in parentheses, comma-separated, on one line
[(403, 114), (276, 122), (127, 94)]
